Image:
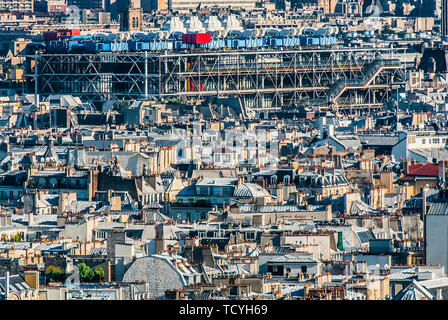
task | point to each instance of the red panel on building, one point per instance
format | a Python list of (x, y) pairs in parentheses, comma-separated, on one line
[(54, 35), (196, 38), (203, 38), (186, 38)]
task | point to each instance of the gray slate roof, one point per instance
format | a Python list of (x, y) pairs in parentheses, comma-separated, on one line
[(378, 140), (438, 208)]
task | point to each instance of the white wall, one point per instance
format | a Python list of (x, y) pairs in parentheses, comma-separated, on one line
[(437, 240), (322, 242)]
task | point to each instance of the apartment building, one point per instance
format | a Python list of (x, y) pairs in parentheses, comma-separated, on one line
[(17, 5)]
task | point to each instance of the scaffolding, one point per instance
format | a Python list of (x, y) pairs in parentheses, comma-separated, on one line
[(335, 78)]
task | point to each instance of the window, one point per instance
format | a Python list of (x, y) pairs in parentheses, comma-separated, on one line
[(304, 269), (250, 235), (203, 191), (101, 235), (227, 191), (423, 141), (276, 270), (134, 22)]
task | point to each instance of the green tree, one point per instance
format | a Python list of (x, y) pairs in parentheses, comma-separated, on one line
[(54, 273), (118, 105), (98, 274), (85, 272)]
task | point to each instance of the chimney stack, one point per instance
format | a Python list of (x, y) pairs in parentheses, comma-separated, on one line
[(424, 192), (30, 218), (406, 167)]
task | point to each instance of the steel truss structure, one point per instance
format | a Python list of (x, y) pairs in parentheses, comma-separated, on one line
[(339, 78)]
